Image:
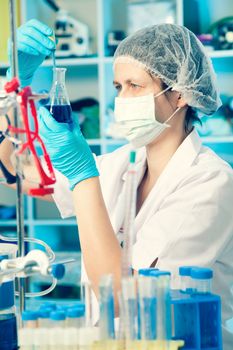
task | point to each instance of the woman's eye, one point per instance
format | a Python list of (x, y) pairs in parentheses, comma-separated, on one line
[(134, 86), (117, 87)]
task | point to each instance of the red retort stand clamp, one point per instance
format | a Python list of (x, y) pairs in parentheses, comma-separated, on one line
[(25, 99)]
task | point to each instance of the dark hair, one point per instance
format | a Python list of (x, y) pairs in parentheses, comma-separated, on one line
[(191, 118)]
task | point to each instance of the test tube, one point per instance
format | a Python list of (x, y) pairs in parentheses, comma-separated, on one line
[(186, 283), (40, 339), (106, 301), (44, 318), (75, 317), (130, 308), (26, 338), (57, 319), (87, 334), (71, 338), (30, 319), (202, 279), (163, 319), (87, 300), (147, 307)]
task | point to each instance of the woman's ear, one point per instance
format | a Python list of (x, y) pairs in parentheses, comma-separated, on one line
[(181, 102)]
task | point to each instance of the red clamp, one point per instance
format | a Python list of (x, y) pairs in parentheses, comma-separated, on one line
[(25, 97)]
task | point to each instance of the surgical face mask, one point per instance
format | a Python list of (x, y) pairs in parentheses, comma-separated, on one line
[(137, 120)]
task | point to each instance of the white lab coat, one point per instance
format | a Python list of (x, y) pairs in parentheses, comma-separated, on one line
[(187, 219)]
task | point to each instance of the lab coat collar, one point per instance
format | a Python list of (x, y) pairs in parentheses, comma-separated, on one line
[(184, 155)]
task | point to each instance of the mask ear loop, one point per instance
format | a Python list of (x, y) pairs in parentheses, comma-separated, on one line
[(177, 109), (163, 91)]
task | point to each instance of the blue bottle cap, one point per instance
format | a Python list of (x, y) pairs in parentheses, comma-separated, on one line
[(44, 313), (146, 271), (58, 271), (2, 257), (160, 273), (61, 307), (75, 312), (185, 270), (48, 305), (29, 315), (201, 273), (58, 315)]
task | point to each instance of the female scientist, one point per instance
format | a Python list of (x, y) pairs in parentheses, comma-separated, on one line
[(185, 191)]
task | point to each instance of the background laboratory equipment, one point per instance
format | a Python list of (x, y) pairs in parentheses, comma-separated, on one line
[(59, 104), (8, 329)]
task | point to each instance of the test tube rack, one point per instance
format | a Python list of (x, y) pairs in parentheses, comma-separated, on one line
[(197, 320)]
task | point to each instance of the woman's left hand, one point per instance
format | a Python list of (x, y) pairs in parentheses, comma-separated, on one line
[(68, 149)]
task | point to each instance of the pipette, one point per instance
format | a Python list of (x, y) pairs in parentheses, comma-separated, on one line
[(130, 211), (53, 38), (54, 67)]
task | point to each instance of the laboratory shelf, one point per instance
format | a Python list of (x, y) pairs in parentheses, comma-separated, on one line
[(61, 62), (217, 139), (221, 54), (54, 222), (108, 59), (84, 61), (87, 61), (11, 222), (7, 222), (4, 65)]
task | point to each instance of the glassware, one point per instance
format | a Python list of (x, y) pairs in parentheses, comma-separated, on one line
[(59, 104)]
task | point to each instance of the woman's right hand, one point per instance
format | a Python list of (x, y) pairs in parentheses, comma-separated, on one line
[(33, 44)]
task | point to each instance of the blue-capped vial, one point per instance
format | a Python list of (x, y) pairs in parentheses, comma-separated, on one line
[(44, 318), (146, 271), (202, 279), (30, 319), (160, 273), (75, 317), (58, 318), (186, 282)]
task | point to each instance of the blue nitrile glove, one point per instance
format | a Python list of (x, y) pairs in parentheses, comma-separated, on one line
[(68, 149), (33, 46)]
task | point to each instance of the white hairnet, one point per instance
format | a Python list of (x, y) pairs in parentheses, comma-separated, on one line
[(175, 55)]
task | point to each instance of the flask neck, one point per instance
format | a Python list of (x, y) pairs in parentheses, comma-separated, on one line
[(59, 75)]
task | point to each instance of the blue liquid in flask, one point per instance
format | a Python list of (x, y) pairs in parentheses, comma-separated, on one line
[(61, 113)]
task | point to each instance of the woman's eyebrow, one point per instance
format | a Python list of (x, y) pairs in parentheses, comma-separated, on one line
[(129, 80)]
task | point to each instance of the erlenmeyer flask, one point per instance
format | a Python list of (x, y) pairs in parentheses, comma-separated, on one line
[(59, 104)]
